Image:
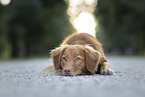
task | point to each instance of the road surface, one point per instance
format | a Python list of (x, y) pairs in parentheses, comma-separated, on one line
[(23, 78)]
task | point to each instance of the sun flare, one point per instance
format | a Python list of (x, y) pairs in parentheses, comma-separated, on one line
[(81, 15), (5, 2), (85, 23)]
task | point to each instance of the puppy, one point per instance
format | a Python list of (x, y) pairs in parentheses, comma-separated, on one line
[(80, 54)]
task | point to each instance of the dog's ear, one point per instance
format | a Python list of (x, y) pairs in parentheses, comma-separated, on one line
[(92, 59), (56, 55)]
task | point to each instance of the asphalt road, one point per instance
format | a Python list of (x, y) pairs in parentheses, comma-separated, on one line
[(23, 79)]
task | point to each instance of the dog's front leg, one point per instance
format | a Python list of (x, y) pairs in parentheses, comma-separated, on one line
[(105, 69), (49, 68)]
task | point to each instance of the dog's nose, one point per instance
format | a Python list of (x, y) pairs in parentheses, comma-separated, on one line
[(67, 70)]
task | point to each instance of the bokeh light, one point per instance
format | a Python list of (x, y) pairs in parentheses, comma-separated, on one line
[(85, 23), (5, 2), (81, 15)]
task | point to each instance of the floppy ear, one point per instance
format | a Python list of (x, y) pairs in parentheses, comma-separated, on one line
[(92, 59), (56, 55)]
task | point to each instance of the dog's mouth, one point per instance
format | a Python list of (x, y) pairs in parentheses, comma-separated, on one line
[(82, 74), (70, 74), (67, 74)]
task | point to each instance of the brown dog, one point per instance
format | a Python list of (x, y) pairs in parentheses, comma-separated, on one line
[(80, 54)]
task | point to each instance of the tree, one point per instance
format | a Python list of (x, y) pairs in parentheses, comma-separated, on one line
[(123, 23), (34, 26)]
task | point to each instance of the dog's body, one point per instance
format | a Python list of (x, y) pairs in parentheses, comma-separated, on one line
[(80, 53)]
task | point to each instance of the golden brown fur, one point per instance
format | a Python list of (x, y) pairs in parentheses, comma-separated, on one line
[(80, 53)]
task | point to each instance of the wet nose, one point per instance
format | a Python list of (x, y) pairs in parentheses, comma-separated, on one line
[(67, 70)]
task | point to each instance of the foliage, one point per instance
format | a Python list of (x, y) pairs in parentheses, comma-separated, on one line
[(32, 27), (123, 24)]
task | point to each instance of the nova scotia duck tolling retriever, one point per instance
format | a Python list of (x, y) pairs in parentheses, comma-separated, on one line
[(80, 54)]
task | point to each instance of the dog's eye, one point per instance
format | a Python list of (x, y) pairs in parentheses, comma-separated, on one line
[(78, 58), (63, 58)]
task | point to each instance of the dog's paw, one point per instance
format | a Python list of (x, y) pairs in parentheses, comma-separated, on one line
[(107, 72)]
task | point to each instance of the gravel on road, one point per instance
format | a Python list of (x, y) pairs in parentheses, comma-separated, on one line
[(22, 78)]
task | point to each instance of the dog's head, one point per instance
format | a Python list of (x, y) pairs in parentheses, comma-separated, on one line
[(75, 59)]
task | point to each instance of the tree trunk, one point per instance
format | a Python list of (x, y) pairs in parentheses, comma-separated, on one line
[(13, 41)]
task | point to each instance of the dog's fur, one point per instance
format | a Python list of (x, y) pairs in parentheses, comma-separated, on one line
[(80, 54)]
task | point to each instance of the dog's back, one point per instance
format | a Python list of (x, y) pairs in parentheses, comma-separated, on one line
[(83, 39)]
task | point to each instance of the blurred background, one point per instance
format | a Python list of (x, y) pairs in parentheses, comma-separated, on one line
[(31, 28)]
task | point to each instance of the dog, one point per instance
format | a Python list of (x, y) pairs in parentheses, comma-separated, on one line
[(80, 54)]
